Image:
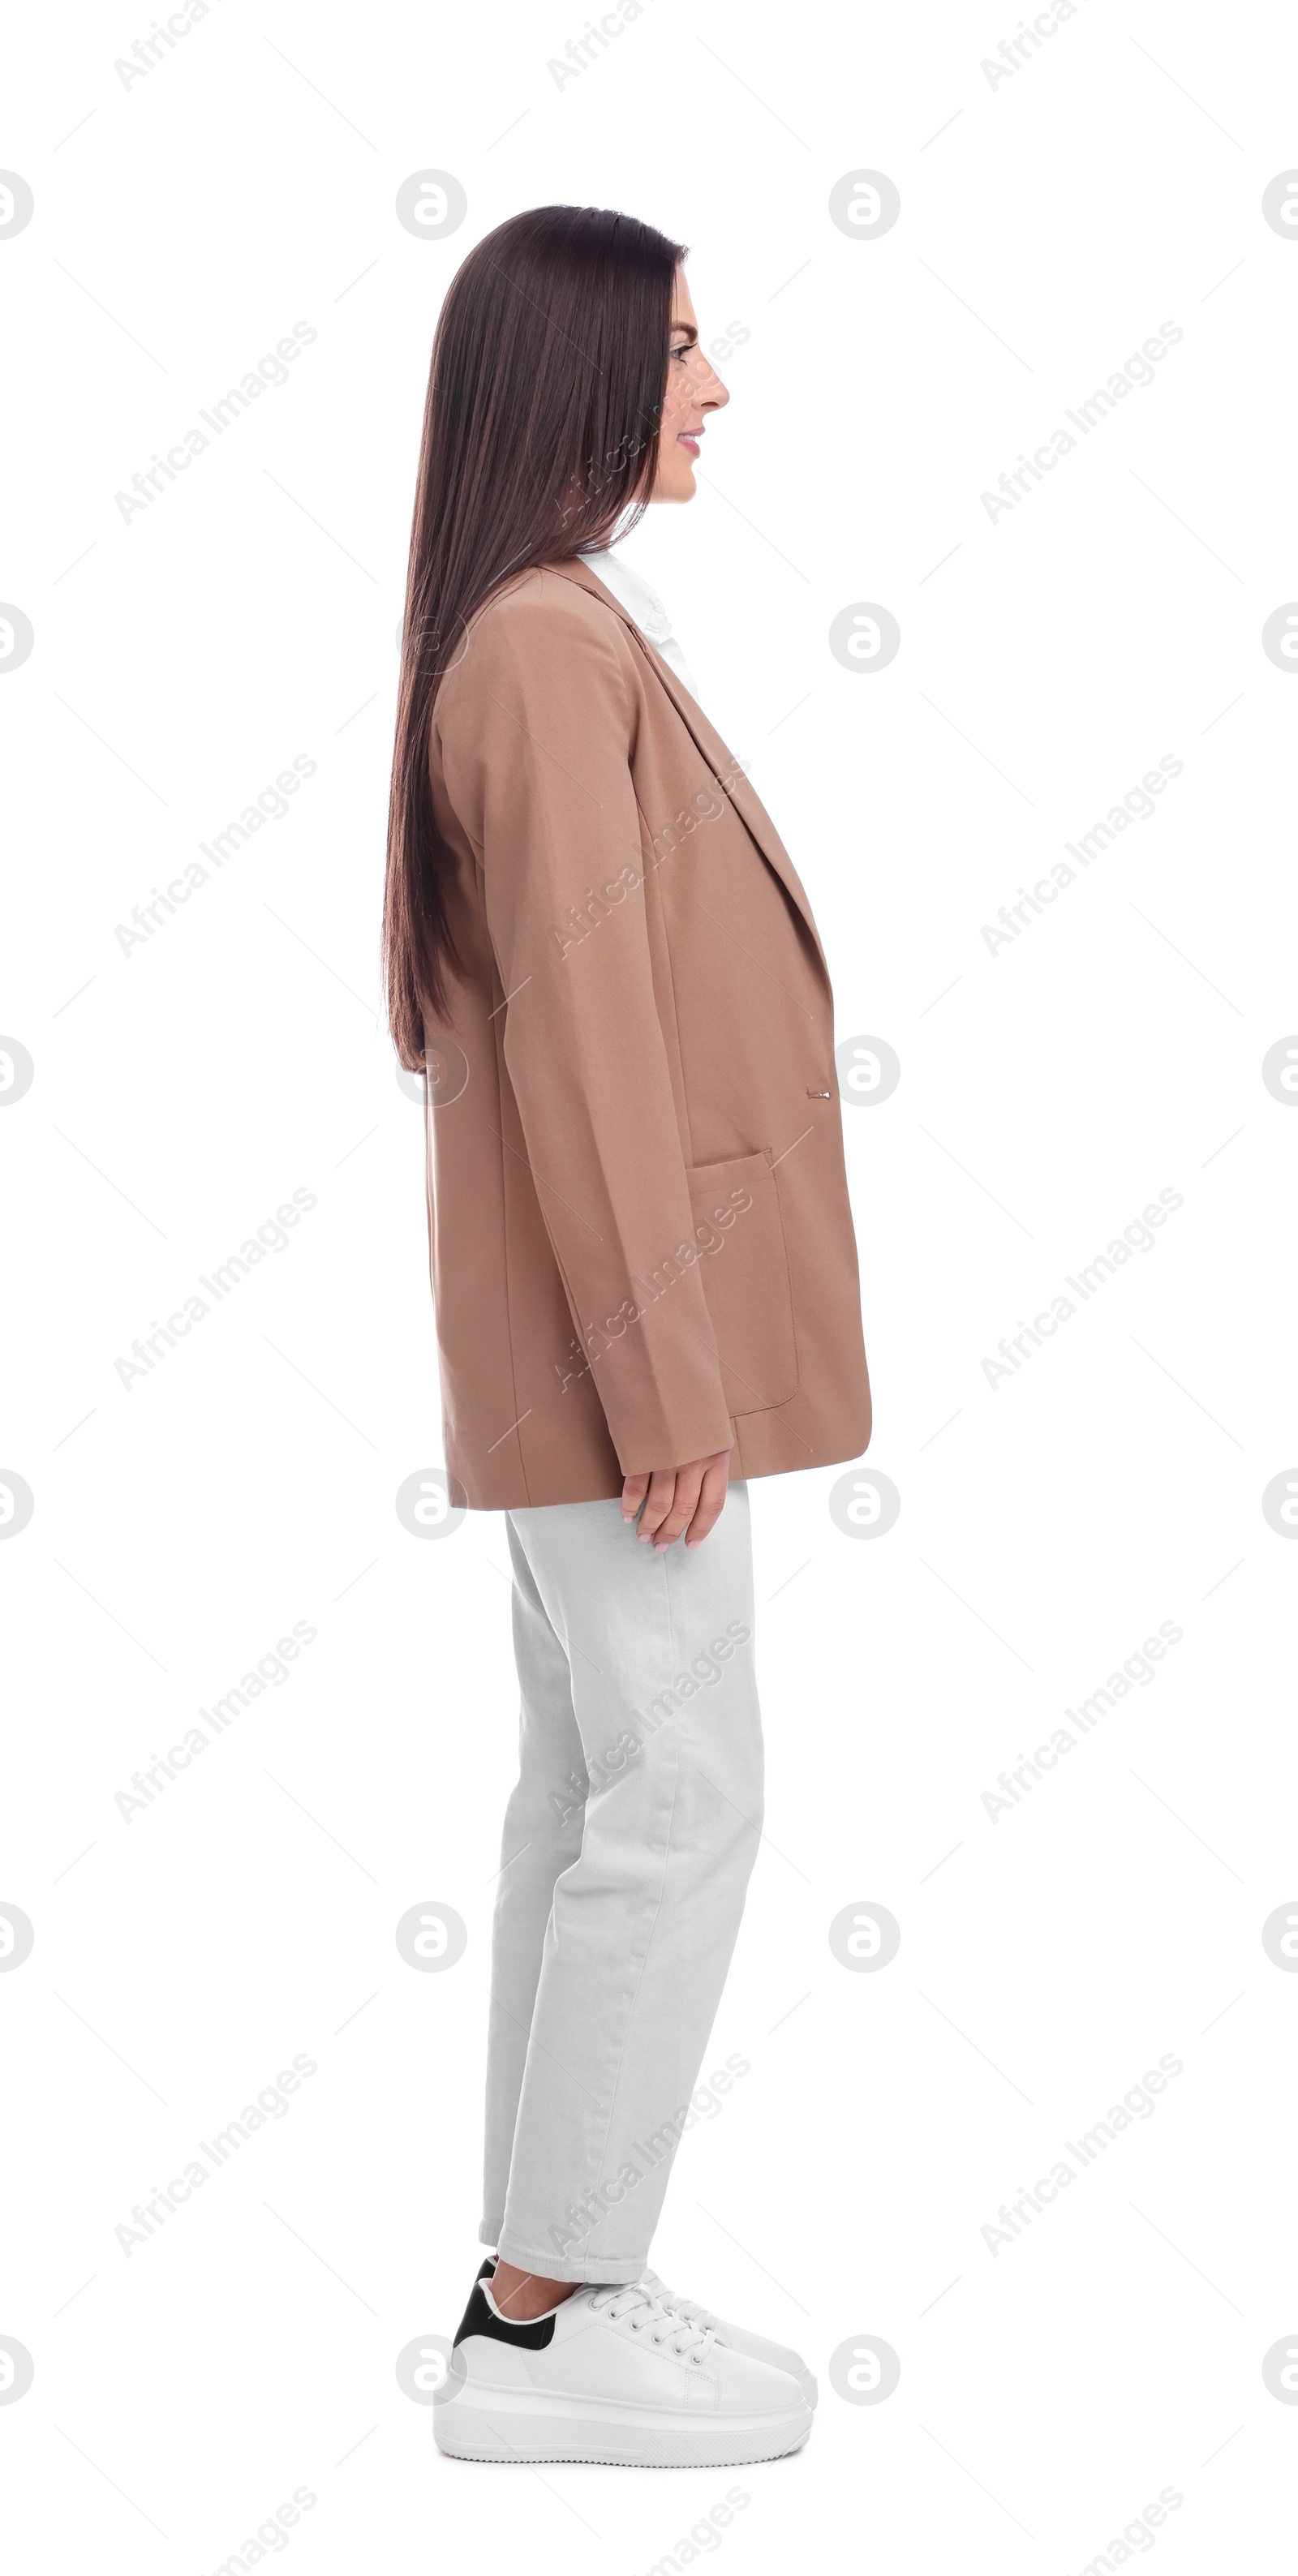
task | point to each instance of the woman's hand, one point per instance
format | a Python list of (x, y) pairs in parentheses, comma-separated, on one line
[(678, 1498)]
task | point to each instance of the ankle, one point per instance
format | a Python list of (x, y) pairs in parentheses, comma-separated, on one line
[(523, 2295)]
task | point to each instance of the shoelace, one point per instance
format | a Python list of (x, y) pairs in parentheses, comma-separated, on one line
[(692, 2309), (681, 2333)]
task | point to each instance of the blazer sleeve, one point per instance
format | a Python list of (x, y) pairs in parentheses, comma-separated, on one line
[(535, 730)]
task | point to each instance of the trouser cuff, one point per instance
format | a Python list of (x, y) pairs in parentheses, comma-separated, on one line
[(587, 2272)]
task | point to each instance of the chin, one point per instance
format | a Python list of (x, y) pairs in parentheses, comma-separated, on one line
[(684, 491)]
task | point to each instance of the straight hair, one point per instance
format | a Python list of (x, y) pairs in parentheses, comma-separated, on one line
[(540, 439)]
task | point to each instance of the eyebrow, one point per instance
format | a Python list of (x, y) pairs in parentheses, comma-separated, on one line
[(684, 331)]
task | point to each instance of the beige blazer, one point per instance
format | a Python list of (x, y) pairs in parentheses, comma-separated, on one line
[(640, 1238)]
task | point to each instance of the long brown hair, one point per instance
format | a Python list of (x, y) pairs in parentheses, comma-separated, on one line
[(540, 438)]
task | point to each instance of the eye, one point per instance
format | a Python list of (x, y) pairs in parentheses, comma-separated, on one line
[(683, 351)]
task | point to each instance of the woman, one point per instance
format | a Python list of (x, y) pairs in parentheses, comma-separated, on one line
[(646, 1293)]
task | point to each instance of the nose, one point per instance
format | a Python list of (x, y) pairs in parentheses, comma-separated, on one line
[(708, 389)]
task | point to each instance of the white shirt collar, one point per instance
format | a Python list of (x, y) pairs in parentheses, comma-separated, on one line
[(640, 598)]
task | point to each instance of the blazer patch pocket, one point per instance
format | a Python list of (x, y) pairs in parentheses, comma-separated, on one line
[(744, 1264)]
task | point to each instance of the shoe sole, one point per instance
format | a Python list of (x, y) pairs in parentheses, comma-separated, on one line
[(503, 2426)]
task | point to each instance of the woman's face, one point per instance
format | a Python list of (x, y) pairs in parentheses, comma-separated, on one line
[(693, 390)]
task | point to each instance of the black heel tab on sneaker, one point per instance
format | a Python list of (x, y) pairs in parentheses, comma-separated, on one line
[(479, 2319)]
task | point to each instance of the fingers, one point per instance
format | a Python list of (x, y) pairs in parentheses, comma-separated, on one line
[(711, 1501), (680, 1505), (678, 1501), (659, 1502)]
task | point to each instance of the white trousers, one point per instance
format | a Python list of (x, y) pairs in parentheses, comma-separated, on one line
[(626, 1854)]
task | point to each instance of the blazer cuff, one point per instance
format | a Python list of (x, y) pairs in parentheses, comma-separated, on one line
[(644, 1455)]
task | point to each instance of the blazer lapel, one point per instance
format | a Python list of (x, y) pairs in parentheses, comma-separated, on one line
[(720, 759)]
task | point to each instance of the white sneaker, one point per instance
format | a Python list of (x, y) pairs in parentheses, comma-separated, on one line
[(777, 2356), (611, 2375)]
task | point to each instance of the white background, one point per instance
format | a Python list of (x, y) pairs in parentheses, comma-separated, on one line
[(1049, 224)]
